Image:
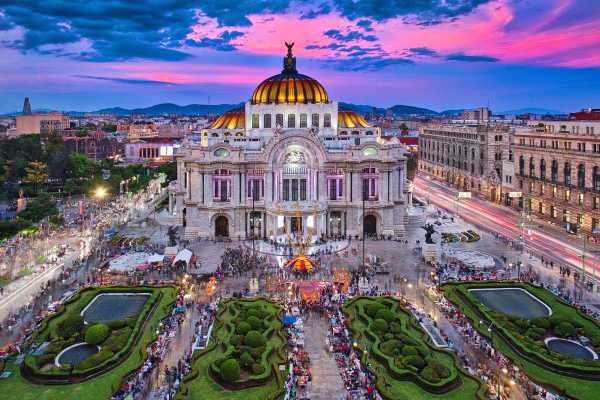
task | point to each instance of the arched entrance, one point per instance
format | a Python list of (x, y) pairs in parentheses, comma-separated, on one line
[(370, 224), (222, 226), (493, 194)]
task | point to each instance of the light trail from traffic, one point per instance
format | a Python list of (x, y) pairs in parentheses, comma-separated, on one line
[(504, 224)]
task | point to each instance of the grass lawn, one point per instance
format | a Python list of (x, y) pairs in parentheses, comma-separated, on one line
[(576, 388), (16, 387), (203, 387), (405, 389)]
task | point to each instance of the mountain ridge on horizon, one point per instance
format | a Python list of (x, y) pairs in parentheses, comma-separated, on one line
[(193, 109)]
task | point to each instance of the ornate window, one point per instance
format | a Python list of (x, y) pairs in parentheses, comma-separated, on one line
[(303, 120), (279, 119), (370, 151), (315, 120), (543, 169), (291, 121), (567, 173), (254, 121), (267, 121), (327, 121), (581, 176), (554, 171), (596, 179), (221, 152), (532, 167)]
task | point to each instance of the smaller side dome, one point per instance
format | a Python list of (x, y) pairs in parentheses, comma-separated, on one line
[(232, 119), (348, 118)]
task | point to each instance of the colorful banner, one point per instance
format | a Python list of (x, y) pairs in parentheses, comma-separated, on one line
[(309, 289), (273, 283), (341, 275)]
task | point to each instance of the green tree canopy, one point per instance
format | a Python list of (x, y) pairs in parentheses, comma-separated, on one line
[(39, 209)]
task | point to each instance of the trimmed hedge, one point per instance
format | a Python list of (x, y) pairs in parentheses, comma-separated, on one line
[(379, 325), (230, 371), (255, 323), (96, 334), (243, 328), (254, 339), (385, 315)]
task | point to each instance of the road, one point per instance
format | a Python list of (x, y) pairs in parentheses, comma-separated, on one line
[(19, 296), (552, 243)]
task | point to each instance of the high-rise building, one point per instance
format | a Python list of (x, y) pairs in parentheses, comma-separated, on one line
[(26, 107), (389, 113), (374, 113), (42, 122), (481, 114)]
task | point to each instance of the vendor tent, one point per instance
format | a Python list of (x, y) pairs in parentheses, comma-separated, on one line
[(184, 255), (171, 251), (156, 258)]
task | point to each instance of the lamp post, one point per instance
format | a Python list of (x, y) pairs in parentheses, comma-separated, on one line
[(402, 280), (490, 326), (366, 343)]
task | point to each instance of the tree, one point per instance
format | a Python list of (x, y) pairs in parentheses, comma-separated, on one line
[(403, 127), (90, 126), (109, 128), (72, 125), (83, 133), (70, 186), (11, 171), (39, 209), (2, 128), (37, 173)]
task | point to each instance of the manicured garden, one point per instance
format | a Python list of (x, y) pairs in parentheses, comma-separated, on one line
[(522, 340), (242, 359), (406, 365), (122, 345), (466, 236)]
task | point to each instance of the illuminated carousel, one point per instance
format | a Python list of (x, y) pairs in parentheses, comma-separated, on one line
[(302, 263)]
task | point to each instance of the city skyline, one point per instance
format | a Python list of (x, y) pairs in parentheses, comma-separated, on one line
[(512, 54)]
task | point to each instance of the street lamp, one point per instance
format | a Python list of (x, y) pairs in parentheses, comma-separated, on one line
[(366, 343), (490, 326), (402, 280), (428, 180)]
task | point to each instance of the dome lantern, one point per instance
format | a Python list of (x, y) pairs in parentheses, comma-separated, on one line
[(289, 86)]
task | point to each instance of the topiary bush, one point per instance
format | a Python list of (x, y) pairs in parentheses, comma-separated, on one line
[(430, 375), (379, 325), (388, 347), (254, 339), (258, 369), (555, 320), (97, 359), (409, 351), (243, 328), (255, 323), (540, 322), (257, 352), (415, 361), (373, 308), (237, 339), (96, 334), (246, 361), (565, 329), (440, 369), (73, 324), (116, 324), (253, 313), (513, 318), (386, 315), (230, 370)]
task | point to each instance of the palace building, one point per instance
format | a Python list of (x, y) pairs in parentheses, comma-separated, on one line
[(290, 148)]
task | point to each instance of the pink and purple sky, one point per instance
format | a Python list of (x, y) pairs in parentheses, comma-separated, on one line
[(441, 54)]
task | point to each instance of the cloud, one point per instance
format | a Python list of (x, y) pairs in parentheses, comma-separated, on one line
[(119, 30), (330, 46), (125, 80), (324, 9), (423, 51), (422, 9), (365, 24), (350, 36), (371, 63), (464, 58), (221, 43)]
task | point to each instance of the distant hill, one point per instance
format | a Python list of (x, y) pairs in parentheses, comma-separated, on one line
[(410, 110), (452, 112), (542, 111), (158, 109), (361, 108)]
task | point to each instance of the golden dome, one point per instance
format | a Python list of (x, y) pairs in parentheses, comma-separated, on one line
[(348, 118), (232, 119), (289, 86)]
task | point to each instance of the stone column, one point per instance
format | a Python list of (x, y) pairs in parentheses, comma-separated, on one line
[(208, 188), (235, 188), (343, 230), (171, 203)]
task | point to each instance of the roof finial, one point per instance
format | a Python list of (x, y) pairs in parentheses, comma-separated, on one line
[(289, 62)]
